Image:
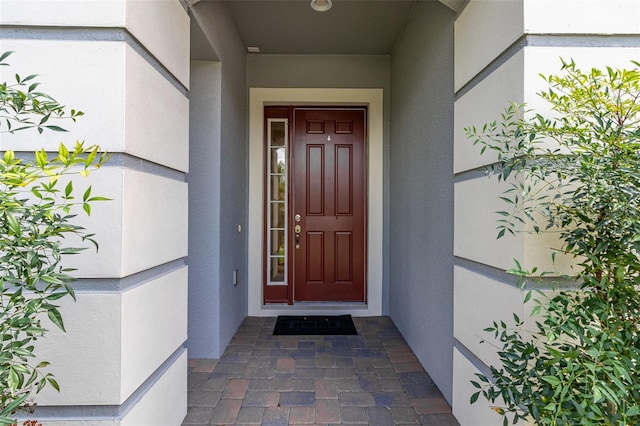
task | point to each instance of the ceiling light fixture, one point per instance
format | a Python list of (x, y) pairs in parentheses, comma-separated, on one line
[(321, 5)]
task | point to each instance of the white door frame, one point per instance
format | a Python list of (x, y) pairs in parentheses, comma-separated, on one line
[(373, 99)]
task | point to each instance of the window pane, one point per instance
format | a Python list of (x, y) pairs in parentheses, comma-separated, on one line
[(277, 243), (278, 161), (277, 188), (277, 269), (277, 133), (277, 215)]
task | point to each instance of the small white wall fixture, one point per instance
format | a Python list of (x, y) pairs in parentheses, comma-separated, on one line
[(373, 100)]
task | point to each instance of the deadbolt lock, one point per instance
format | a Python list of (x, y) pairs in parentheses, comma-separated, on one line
[(297, 230), (297, 218)]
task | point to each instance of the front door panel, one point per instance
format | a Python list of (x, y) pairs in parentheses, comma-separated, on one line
[(329, 187)]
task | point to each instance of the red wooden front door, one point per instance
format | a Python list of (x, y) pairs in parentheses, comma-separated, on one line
[(329, 205)]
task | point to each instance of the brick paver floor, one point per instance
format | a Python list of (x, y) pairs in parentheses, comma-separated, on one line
[(372, 378)]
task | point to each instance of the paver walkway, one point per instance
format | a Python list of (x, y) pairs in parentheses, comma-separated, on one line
[(372, 378)]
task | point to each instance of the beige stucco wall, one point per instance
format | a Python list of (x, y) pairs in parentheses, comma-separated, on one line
[(501, 48), (122, 360)]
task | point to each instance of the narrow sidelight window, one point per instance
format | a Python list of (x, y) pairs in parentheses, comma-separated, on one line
[(277, 191)]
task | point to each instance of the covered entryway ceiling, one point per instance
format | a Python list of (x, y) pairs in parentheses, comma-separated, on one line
[(356, 27)]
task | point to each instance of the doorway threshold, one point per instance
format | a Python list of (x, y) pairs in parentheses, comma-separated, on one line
[(356, 309)]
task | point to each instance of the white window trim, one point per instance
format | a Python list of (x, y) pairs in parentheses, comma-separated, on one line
[(373, 99)]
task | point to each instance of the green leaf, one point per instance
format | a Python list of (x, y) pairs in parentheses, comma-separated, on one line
[(28, 78), (14, 225), (51, 279), (56, 296), (535, 310), (63, 151), (5, 55), (597, 395), (633, 411), (91, 157), (41, 158), (55, 128), (56, 318), (9, 156), (552, 380), (13, 380), (53, 383), (68, 189)]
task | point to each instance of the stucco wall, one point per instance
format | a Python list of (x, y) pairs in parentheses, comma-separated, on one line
[(333, 71), (500, 51), (421, 242), (204, 208), (123, 352), (219, 214)]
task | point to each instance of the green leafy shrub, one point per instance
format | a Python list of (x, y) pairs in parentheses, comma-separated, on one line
[(575, 172), (37, 203)]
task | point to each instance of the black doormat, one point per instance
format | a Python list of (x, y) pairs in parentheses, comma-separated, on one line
[(316, 325)]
